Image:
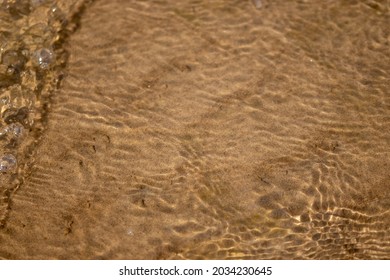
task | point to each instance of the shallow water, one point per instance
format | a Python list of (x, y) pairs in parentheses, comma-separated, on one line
[(31, 66), (197, 130)]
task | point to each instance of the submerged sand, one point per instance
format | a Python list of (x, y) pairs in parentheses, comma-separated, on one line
[(214, 130)]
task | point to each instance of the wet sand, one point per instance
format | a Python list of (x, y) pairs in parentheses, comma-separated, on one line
[(204, 130)]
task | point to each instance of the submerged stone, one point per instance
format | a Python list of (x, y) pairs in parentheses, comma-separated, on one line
[(7, 163)]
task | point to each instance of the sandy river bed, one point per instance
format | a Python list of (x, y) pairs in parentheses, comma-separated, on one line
[(204, 130)]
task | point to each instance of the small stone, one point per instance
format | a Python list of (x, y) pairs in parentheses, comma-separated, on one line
[(44, 58), (7, 163)]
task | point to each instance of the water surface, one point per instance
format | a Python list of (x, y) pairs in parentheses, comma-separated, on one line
[(203, 130)]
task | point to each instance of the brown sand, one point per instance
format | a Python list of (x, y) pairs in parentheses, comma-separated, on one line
[(214, 130)]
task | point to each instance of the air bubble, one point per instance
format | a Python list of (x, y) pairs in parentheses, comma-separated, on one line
[(7, 163), (44, 58), (16, 129), (12, 135)]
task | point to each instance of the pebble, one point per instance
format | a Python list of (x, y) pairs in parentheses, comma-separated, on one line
[(7, 163)]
